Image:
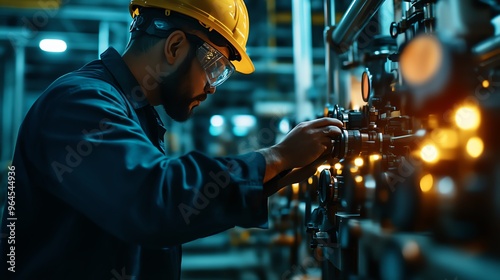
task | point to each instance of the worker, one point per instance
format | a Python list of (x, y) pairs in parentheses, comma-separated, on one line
[(95, 195)]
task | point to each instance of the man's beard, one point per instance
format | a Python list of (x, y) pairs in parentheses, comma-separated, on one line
[(174, 96)]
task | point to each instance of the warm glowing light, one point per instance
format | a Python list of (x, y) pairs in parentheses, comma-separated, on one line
[(475, 147), (429, 153), (310, 180), (295, 188), (338, 166), (323, 167), (374, 157), (468, 117), (426, 183), (358, 179), (445, 138), (53, 45), (486, 83), (354, 169), (421, 59), (359, 162)]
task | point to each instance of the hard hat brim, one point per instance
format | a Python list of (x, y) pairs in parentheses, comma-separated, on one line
[(245, 65)]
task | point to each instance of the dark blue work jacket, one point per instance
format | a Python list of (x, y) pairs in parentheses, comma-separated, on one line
[(95, 196)]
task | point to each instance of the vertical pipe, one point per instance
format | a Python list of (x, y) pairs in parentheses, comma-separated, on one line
[(270, 57), (271, 23), (7, 107), (429, 15), (13, 102), (353, 22), (385, 17), (18, 98), (329, 7), (302, 56), (103, 37)]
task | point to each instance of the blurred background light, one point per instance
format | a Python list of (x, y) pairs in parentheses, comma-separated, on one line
[(359, 162), (446, 185), (244, 120), (429, 153), (284, 126), (215, 130), (242, 124), (217, 120), (53, 45), (475, 147), (426, 183), (468, 117)]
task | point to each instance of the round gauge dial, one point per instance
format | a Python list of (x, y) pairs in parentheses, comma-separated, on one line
[(421, 60), (366, 85)]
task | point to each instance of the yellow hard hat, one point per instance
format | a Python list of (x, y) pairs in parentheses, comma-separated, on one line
[(228, 17)]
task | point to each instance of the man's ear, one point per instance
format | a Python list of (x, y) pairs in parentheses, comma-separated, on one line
[(175, 46)]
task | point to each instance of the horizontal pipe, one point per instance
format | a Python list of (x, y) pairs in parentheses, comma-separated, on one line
[(487, 52), (355, 19)]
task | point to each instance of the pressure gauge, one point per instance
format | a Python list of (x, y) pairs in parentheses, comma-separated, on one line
[(421, 60), (366, 85)]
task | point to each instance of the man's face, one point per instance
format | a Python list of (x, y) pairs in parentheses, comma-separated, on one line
[(178, 97), (186, 87)]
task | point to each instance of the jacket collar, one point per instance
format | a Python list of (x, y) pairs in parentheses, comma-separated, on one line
[(113, 61)]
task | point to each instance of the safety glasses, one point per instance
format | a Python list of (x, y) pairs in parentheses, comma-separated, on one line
[(217, 67)]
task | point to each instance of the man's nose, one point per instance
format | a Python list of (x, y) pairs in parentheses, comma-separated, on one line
[(209, 89)]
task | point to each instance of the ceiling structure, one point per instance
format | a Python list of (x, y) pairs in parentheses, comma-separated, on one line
[(90, 26)]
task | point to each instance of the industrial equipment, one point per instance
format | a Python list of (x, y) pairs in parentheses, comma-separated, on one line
[(412, 190)]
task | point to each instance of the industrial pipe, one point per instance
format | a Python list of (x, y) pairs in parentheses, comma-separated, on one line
[(355, 19)]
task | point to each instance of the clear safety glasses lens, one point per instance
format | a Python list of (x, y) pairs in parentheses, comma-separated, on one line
[(217, 67)]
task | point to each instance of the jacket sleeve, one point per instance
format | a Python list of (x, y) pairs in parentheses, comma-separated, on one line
[(99, 161)]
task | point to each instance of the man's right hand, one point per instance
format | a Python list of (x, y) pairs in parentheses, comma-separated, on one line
[(304, 144)]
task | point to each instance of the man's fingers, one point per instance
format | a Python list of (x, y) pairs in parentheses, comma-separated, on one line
[(326, 122), (331, 130)]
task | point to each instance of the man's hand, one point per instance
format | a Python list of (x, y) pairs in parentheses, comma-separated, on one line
[(302, 146)]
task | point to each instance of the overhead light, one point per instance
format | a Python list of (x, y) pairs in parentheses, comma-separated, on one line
[(53, 45)]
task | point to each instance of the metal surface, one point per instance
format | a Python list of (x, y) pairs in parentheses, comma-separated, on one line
[(329, 13), (302, 57), (353, 22)]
